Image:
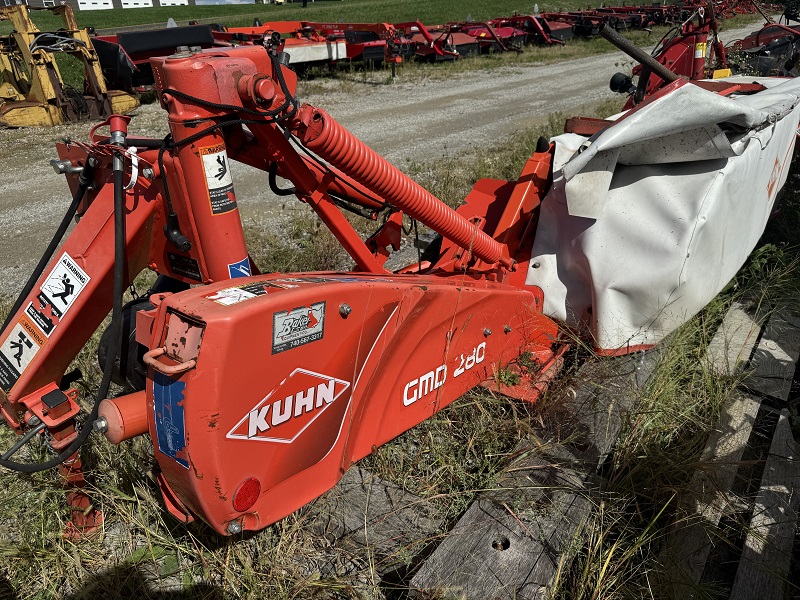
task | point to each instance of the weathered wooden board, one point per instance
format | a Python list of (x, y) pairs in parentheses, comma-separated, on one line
[(510, 542), (730, 348), (493, 552), (373, 521), (692, 547), (587, 416), (767, 553), (776, 356), (689, 545)]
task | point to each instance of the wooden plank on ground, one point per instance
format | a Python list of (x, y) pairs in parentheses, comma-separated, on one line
[(733, 343), (776, 356), (767, 554), (689, 546), (504, 548), (774, 513), (371, 520), (510, 542)]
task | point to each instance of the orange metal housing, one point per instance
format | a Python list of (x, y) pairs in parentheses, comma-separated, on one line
[(263, 389)]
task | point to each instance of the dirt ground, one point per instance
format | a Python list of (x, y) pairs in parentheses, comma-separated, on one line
[(403, 121)]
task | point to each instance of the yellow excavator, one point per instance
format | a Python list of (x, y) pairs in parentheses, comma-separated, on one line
[(32, 92)]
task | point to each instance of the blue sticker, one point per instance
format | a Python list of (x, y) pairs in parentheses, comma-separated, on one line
[(170, 428), (240, 269)]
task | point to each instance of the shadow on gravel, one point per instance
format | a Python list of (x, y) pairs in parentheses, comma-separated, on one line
[(132, 581)]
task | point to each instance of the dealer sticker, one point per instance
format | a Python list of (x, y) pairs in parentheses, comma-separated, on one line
[(297, 327), (218, 179)]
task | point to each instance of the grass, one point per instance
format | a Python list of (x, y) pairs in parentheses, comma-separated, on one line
[(349, 11)]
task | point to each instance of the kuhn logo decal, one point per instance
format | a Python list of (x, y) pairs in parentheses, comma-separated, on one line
[(290, 408), (297, 327)]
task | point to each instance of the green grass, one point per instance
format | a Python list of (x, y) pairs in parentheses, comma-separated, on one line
[(350, 11)]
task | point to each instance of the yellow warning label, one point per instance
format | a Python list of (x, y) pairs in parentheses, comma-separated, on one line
[(218, 179), (700, 50)]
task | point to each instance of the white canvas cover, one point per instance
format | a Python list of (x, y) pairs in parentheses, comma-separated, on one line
[(316, 52), (650, 218)]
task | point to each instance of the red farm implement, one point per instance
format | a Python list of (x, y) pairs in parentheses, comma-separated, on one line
[(260, 390), (539, 31)]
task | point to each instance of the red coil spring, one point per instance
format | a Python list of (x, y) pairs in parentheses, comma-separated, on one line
[(345, 151)]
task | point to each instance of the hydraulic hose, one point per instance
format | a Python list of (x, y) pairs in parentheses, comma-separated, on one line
[(115, 327), (273, 183)]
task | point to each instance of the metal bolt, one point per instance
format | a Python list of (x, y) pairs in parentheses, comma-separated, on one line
[(507, 329), (181, 52), (536, 265), (100, 425), (487, 332), (344, 309), (234, 527), (148, 173), (65, 166)]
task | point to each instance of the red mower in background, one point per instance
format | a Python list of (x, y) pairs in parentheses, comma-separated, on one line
[(691, 50), (503, 38), (434, 46), (539, 31)]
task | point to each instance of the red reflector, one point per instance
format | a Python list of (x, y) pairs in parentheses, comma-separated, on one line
[(246, 495)]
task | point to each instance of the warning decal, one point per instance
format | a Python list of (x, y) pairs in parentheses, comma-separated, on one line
[(185, 266), (700, 50), (230, 296), (63, 286), (45, 323), (218, 179), (17, 351), (240, 293)]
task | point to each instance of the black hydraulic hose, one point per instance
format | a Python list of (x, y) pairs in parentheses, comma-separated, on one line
[(115, 336), (84, 180), (148, 143), (23, 440), (273, 183)]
